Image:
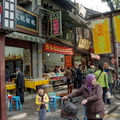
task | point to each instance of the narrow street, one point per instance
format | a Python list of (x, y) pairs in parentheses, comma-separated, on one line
[(114, 116)]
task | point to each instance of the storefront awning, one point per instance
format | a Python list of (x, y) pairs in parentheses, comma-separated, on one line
[(69, 17), (21, 36)]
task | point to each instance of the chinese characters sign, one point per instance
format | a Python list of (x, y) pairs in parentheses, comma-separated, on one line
[(101, 36), (27, 20), (56, 24), (117, 27), (57, 49), (68, 61), (83, 43)]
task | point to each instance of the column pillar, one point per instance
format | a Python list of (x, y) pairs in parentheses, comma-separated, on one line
[(2, 78)]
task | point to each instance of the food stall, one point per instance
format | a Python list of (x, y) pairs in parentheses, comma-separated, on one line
[(29, 83)]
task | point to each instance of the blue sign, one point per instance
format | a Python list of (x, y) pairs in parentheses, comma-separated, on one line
[(27, 20)]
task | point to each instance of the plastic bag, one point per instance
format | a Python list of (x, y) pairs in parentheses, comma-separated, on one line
[(108, 95)]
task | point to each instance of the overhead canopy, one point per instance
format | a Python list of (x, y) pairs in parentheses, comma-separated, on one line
[(21, 36), (69, 17)]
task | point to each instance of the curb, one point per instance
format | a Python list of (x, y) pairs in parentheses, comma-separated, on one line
[(112, 110)]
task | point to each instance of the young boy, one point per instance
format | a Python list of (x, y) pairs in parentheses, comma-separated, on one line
[(42, 100)]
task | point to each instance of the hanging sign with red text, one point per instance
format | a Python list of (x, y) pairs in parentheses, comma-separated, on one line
[(58, 49), (56, 24)]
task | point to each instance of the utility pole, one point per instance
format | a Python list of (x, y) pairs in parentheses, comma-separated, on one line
[(114, 43)]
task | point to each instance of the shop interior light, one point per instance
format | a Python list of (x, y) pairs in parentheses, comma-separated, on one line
[(48, 54)]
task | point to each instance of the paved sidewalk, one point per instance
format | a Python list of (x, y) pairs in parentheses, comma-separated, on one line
[(29, 111)]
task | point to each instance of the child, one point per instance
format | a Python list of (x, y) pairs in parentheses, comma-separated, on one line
[(42, 100)]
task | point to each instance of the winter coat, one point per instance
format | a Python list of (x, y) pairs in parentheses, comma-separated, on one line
[(38, 101), (103, 79), (88, 71), (74, 74), (79, 74), (95, 104), (68, 74), (110, 73), (20, 80)]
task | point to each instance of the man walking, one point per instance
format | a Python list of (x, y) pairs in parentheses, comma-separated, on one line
[(20, 85), (79, 76), (110, 72)]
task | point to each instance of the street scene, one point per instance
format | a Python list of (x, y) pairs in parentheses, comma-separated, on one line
[(59, 60)]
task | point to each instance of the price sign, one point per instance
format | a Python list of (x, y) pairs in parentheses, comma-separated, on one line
[(56, 24)]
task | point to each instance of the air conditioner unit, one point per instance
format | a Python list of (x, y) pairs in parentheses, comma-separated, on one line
[(25, 1)]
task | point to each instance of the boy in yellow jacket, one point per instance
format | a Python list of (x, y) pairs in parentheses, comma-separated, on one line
[(42, 100)]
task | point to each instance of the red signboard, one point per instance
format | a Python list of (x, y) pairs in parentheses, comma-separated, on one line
[(68, 61), (57, 49), (56, 24)]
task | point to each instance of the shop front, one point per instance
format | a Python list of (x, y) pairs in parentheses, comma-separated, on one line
[(22, 50), (55, 55)]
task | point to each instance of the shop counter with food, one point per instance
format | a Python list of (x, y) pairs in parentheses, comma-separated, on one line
[(55, 78)]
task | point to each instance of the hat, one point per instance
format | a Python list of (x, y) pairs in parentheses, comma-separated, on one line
[(17, 69)]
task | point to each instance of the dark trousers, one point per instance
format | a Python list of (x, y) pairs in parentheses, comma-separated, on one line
[(68, 82), (79, 83), (20, 92), (75, 82), (110, 85), (104, 93), (42, 114), (95, 119)]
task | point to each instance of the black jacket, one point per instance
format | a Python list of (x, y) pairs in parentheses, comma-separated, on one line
[(79, 74), (20, 80)]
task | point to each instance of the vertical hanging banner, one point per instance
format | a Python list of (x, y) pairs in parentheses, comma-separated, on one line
[(101, 36), (56, 24), (117, 27), (68, 61)]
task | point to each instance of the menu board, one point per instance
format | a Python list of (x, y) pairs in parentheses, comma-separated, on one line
[(56, 24)]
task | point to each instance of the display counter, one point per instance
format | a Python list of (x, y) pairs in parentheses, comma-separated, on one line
[(29, 83), (10, 86), (32, 83), (55, 78)]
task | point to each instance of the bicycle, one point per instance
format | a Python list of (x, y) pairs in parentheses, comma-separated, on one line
[(72, 117), (116, 89)]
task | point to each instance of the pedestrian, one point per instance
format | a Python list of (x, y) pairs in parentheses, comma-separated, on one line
[(74, 74), (7, 73), (79, 76), (88, 71), (92, 93), (96, 68), (102, 79), (62, 69), (42, 100), (68, 75), (20, 85), (110, 72)]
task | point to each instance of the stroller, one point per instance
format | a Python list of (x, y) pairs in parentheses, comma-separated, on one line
[(69, 110)]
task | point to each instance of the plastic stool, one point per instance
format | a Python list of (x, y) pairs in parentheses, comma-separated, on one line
[(54, 102), (17, 101)]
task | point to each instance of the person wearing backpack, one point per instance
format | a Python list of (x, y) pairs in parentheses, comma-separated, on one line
[(92, 93), (42, 100), (102, 80)]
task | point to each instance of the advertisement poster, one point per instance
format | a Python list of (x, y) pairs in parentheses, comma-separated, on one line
[(101, 36), (117, 27)]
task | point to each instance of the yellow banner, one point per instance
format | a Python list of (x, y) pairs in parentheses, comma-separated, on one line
[(101, 36), (83, 43), (117, 27)]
